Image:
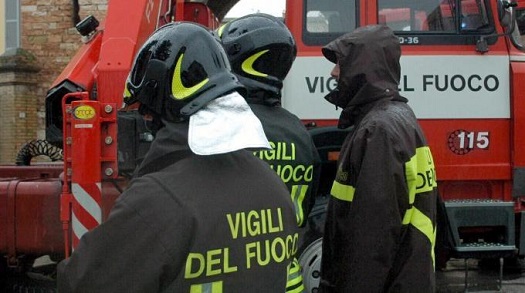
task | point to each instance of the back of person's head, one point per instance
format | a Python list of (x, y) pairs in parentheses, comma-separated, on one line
[(369, 65), (372, 51), (179, 69), (261, 51)]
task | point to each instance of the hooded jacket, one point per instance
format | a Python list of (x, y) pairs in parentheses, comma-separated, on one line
[(381, 217), (189, 223)]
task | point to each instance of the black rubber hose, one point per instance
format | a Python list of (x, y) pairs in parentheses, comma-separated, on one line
[(36, 148), (75, 17)]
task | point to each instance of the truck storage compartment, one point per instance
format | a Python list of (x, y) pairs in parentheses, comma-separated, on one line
[(30, 213)]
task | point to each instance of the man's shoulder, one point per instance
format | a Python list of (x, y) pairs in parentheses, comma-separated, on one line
[(386, 120), (272, 111), (389, 112)]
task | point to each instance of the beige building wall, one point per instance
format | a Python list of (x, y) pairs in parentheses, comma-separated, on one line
[(48, 32), (48, 41), (2, 26)]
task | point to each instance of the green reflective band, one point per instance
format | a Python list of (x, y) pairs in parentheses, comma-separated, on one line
[(420, 173), (179, 91), (433, 249), (408, 216), (215, 287), (298, 194), (294, 281), (247, 65), (421, 177), (411, 178), (342, 192), (423, 223), (296, 290)]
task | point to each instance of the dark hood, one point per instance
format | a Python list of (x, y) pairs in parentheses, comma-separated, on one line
[(369, 65)]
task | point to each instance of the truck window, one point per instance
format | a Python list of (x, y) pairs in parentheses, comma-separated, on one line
[(326, 20), (433, 15)]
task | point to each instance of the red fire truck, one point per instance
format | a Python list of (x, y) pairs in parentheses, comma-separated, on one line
[(462, 71), (462, 64)]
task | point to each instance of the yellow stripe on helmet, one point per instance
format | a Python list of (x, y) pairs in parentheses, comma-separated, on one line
[(247, 65), (179, 91)]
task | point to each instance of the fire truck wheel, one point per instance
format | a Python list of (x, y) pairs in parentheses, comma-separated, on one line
[(311, 244), (310, 261)]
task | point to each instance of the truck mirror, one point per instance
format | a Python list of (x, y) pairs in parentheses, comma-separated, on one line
[(506, 14), (507, 19)]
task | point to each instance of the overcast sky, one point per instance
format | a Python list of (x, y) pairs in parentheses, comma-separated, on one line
[(243, 7)]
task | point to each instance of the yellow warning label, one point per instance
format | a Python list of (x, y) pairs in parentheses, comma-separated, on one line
[(84, 112)]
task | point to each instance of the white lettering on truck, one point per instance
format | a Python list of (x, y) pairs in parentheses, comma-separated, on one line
[(437, 87)]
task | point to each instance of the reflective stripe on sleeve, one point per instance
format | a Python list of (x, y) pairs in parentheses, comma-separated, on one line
[(294, 281), (342, 192), (420, 173), (420, 177), (424, 224), (214, 287), (298, 194), (411, 177)]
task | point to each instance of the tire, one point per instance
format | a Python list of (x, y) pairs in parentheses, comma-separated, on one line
[(310, 250), (310, 262)]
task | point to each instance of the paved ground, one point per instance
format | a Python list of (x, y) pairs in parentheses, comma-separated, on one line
[(482, 278)]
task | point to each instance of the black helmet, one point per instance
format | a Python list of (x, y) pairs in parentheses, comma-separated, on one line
[(179, 69), (261, 50)]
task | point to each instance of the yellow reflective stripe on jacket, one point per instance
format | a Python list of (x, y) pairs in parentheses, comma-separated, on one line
[(420, 173), (433, 248), (215, 287), (294, 280), (411, 178), (343, 192), (423, 223), (298, 194), (420, 176)]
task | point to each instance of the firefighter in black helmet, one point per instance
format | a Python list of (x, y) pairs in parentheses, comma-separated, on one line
[(261, 51), (202, 214)]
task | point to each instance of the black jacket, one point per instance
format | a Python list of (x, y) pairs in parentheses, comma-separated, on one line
[(222, 223), (381, 219), (293, 157)]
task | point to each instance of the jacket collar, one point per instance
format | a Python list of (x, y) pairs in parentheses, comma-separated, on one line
[(169, 146)]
